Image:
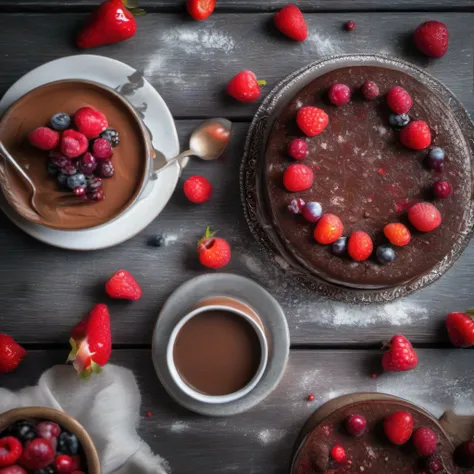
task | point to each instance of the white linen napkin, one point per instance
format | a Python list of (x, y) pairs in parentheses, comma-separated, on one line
[(107, 406)]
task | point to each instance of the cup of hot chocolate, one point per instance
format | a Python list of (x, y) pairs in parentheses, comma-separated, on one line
[(132, 158), (218, 352)]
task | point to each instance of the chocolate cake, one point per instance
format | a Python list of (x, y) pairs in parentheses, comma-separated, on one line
[(372, 452), (365, 176)]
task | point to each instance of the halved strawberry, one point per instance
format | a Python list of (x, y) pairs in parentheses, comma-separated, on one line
[(91, 342)]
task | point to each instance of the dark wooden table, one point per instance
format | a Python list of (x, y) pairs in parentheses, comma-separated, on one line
[(45, 291)]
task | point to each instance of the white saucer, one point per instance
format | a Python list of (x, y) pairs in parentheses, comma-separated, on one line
[(223, 284), (157, 118)]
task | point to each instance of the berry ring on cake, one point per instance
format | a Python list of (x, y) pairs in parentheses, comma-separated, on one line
[(357, 174)]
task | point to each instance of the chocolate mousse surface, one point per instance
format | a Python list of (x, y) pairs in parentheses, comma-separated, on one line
[(365, 176), (129, 159), (371, 452)]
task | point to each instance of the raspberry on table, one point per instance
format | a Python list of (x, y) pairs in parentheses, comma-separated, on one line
[(416, 135), (432, 38), (350, 25), (370, 90), (297, 178), (73, 143), (339, 94), (425, 441), (311, 120), (298, 149), (101, 149), (44, 138), (442, 189), (87, 164), (399, 100), (197, 189)]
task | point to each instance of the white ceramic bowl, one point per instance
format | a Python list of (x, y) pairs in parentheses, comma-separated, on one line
[(253, 320)]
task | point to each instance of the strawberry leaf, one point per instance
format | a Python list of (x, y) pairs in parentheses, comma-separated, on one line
[(72, 355), (470, 312), (96, 368), (207, 235), (137, 11), (86, 374), (130, 4)]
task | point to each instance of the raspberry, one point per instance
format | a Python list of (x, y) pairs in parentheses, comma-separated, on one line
[(245, 87), (442, 189), (102, 149), (416, 135), (360, 246), (90, 122), (297, 178), (432, 38), (298, 149), (10, 451), (397, 234), (338, 454), (123, 286), (356, 425), (296, 206), (400, 355), (350, 25), (328, 229), (425, 440), (44, 138), (398, 427), (197, 189), (214, 252), (339, 94), (290, 21), (370, 90), (37, 454), (311, 120), (399, 100), (424, 216), (73, 143)]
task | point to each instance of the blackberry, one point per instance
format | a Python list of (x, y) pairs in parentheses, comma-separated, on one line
[(156, 241), (112, 136), (68, 443), (23, 430)]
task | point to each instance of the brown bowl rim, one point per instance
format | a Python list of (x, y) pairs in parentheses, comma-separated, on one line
[(146, 142), (65, 421)]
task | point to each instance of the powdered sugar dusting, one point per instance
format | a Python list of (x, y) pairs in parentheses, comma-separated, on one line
[(179, 427), (270, 436), (324, 46), (169, 238)]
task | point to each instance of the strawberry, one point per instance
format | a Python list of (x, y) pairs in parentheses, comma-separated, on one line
[(399, 100), (398, 427), (400, 355), (123, 286), (311, 120), (200, 9), (91, 342), (416, 135), (360, 246), (328, 229), (110, 23), (424, 216), (11, 354), (397, 234), (290, 21), (214, 252), (432, 38), (245, 87), (44, 138), (73, 143), (461, 328), (197, 189), (425, 441), (90, 122), (10, 451), (297, 178)]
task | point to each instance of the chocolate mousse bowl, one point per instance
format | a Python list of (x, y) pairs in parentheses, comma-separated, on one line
[(218, 352), (132, 159)]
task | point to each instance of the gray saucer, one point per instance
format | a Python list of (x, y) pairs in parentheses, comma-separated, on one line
[(247, 291)]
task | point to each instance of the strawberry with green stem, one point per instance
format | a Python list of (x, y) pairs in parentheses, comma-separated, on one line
[(91, 342)]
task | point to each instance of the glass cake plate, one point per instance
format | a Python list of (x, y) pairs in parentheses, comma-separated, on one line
[(251, 172)]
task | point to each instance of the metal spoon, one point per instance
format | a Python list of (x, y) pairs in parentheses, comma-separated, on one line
[(208, 141)]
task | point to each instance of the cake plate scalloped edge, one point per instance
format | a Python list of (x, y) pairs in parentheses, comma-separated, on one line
[(254, 209)]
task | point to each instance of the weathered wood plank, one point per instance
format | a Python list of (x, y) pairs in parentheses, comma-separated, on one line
[(44, 291), (191, 62), (253, 5), (261, 440)]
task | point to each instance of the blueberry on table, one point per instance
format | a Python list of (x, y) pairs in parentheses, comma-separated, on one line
[(399, 121), (436, 153), (23, 430), (156, 241), (68, 443), (385, 254), (76, 180), (62, 179), (112, 136), (60, 121), (339, 247)]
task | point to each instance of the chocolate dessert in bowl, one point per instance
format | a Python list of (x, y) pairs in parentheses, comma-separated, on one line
[(82, 187), (218, 352)]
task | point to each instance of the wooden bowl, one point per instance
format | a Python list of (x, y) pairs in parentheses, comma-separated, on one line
[(63, 420)]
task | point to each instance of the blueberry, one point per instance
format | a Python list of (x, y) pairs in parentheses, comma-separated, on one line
[(68, 443), (76, 180), (23, 430), (385, 254), (436, 153), (339, 247), (46, 470), (62, 179), (156, 241), (52, 170), (312, 211), (60, 121), (112, 136), (399, 121), (105, 169)]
